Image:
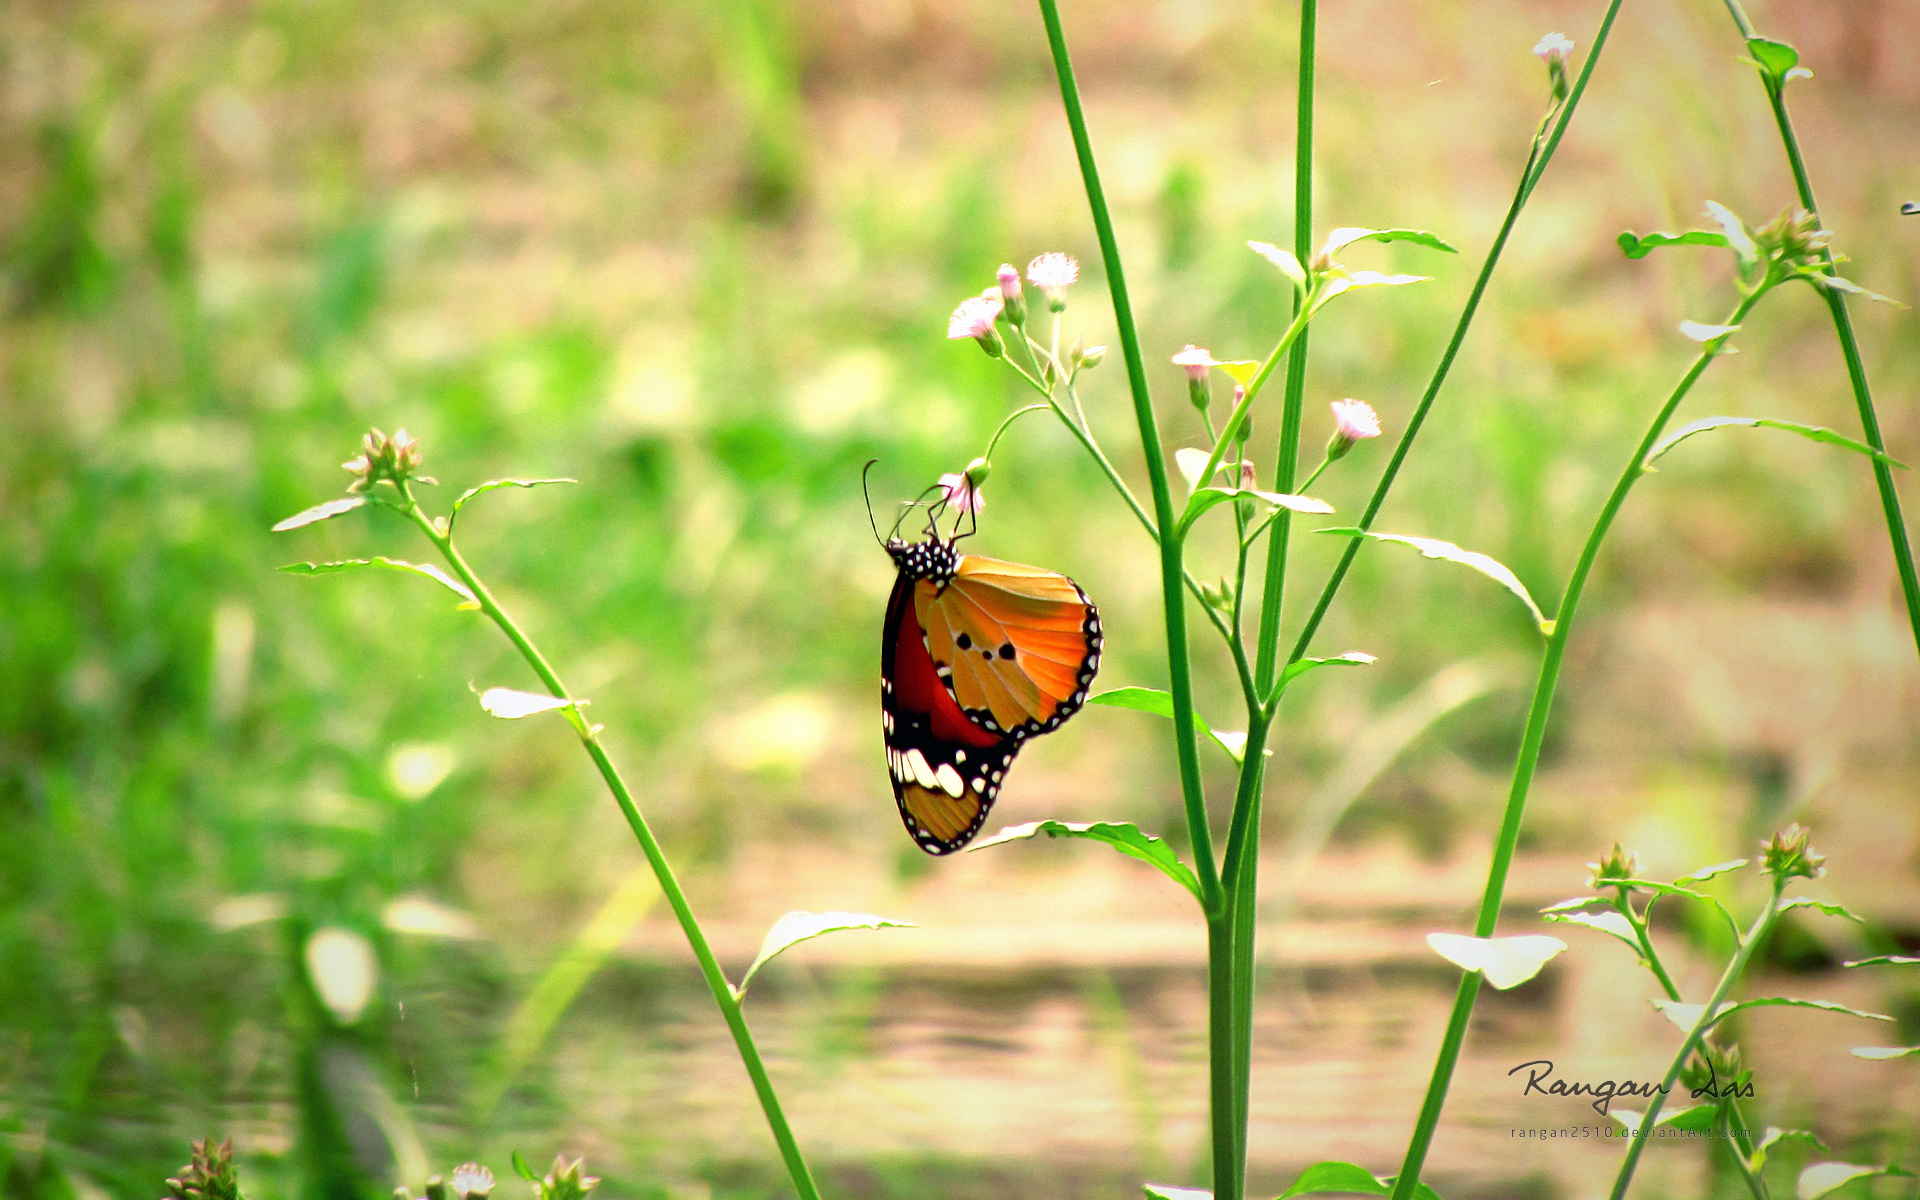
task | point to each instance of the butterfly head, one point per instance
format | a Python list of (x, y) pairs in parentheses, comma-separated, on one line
[(935, 558)]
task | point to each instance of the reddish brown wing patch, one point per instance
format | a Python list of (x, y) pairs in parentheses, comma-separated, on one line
[(946, 769)]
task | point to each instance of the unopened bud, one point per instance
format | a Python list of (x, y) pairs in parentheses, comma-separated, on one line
[(1553, 49), (1093, 356), (977, 472), (1617, 864), (1014, 304), (436, 1187), (1787, 854)]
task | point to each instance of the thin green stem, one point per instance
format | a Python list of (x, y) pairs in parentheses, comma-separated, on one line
[(1529, 755), (716, 979), (1647, 953), (1537, 163), (1013, 416), (1849, 346), (1172, 567), (1736, 1149), (1735, 968)]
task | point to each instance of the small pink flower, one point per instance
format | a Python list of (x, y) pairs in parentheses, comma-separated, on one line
[(1016, 304), (961, 493), (1354, 420), (1053, 273), (1554, 46), (1197, 360), (975, 316)]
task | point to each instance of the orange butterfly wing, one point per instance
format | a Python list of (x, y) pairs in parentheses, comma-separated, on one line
[(1016, 646)]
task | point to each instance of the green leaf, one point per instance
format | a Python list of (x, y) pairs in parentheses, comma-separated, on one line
[(1775, 1135), (1738, 239), (1674, 889), (1284, 259), (511, 704), (1822, 1178), (1706, 873), (1161, 1191), (1206, 497), (392, 564), (797, 927), (1811, 432), (1347, 1179), (1299, 667), (1160, 704), (1832, 910), (1841, 284), (1775, 58), (1123, 836), (1697, 1118), (1694, 331), (521, 1168), (1505, 961), (1884, 1051), (494, 485), (1242, 370), (1576, 902), (1884, 960), (1686, 1016), (1606, 922), (1191, 460), (1435, 548), (1639, 245), (1345, 236), (320, 512)]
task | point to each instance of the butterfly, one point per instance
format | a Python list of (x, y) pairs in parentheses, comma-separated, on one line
[(976, 656)]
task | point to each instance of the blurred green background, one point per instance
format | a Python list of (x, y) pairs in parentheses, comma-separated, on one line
[(699, 257)]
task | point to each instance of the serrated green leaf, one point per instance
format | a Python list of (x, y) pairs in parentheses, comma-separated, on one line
[(1884, 1051), (1123, 836), (1639, 245), (1773, 1136), (1822, 1178), (1347, 235), (1299, 667), (320, 512), (1775, 58), (1696, 1118), (796, 927), (1435, 548), (1505, 961), (1814, 433), (1706, 873), (493, 485), (1832, 910), (1884, 960), (1688, 1015), (391, 564), (1160, 704), (1611, 922)]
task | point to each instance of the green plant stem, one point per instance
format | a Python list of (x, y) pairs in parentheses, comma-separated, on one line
[(1641, 934), (1529, 757), (1736, 1144), (1849, 345), (1537, 163), (1172, 567), (1735, 967), (716, 979)]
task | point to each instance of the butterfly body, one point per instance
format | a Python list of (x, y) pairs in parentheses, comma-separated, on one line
[(977, 655)]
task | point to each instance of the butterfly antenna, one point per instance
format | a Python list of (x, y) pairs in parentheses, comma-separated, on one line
[(868, 496)]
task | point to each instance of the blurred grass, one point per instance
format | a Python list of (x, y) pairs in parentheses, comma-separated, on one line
[(698, 257)]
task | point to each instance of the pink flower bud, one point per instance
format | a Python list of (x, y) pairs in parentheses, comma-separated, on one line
[(1197, 360), (959, 490), (1554, 45), (1016, 304)]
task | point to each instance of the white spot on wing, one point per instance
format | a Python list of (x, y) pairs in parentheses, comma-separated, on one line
[(922, 771), (950, 780)]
